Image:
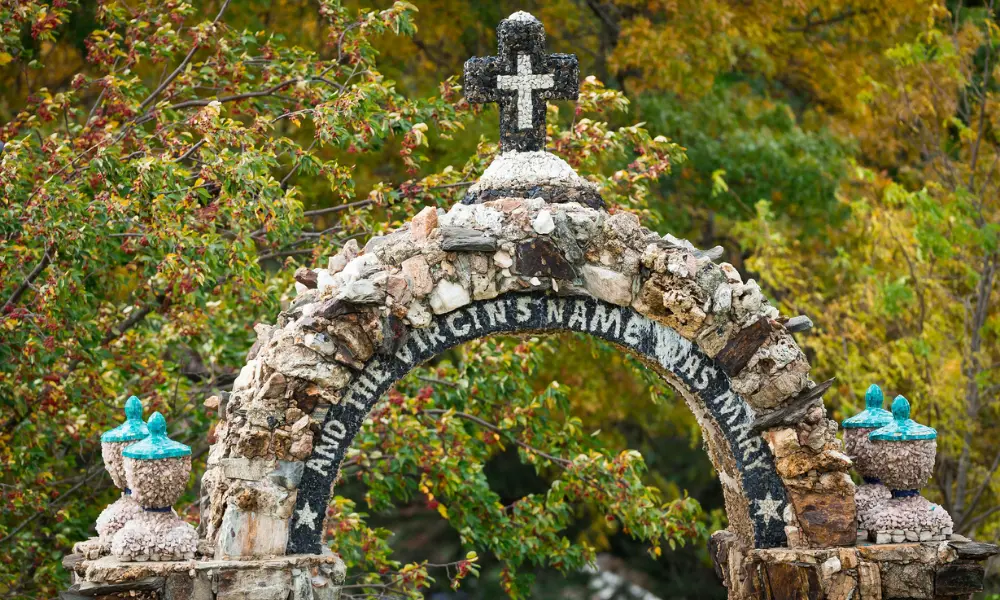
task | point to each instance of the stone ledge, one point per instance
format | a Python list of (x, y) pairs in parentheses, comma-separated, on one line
[(110, 569), (296, 577), (916, 571)]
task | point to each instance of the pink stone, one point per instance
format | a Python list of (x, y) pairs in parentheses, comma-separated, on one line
[(423, 224), (419, 274)]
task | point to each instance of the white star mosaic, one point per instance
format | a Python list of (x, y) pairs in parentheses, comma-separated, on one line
[(306, 516), (768, 508)]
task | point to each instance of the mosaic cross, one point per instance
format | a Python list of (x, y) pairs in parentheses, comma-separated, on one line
[(520, 79)]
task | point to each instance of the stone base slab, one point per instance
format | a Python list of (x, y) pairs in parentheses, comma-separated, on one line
[(296, 577)]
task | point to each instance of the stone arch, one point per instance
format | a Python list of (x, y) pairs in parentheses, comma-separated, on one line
[(700, 379), (504, 266)]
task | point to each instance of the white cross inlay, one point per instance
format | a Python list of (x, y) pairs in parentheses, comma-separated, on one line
[(524, 82)]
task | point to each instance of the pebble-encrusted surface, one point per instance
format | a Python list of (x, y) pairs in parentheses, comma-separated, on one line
[(533, 175), (870, 498), (366, 301), (910, 519), (904, 465), (156, 536), (860, 449), (521, 78), (114, 462), (115, 516), (157, 483)]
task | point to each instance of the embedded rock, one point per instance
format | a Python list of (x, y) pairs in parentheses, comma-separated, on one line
[(540, 257), (424, 223), (418, 272), (607, 284), (543, 223), (827, 518), (466, 239), (447, 296)]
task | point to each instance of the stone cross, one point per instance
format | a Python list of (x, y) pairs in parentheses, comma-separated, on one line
[(520, 79)]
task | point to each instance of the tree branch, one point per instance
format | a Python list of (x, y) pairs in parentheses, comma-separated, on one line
[(51, 505), (46, 260), (969, 526), (132, 320), (850, 13), (180, 68), (559, 461), (338, 208), (235, 97), (982, 488), (982, 112)]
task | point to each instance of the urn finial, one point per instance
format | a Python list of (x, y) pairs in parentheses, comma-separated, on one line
[(873, 416), (132, 429), (874, 397), (902, 428), (157, 446)]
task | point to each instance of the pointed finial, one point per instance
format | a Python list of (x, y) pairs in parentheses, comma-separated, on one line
[(873, 416), (157, 445), (133, 408), (874, 397), (157, 425), (132, 429), (901, 409)]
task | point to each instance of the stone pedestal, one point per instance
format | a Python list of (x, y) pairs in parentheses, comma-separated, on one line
[(916, 571), (296, 577)]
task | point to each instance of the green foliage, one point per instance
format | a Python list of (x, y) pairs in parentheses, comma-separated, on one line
[(432, 439), (166, 166), (154, 207), (743, 147)]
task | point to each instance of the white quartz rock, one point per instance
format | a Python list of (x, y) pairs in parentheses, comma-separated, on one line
[(543, 223), (608, 285), (447, 296)]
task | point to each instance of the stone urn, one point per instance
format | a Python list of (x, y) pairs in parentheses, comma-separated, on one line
[(125, 508), (156, 471), (904, 452), (872, 494)]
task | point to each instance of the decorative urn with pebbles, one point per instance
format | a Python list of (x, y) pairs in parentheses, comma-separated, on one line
[(904, 452), (871, 495), (125, 508), (156, 470)]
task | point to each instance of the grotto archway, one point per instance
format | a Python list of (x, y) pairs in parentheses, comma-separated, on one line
[(511, 266), (701, 381)]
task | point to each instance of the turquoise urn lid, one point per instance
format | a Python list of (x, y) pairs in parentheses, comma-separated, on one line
[(873, 416), (157, 446), (132, 429), (902, 428)]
